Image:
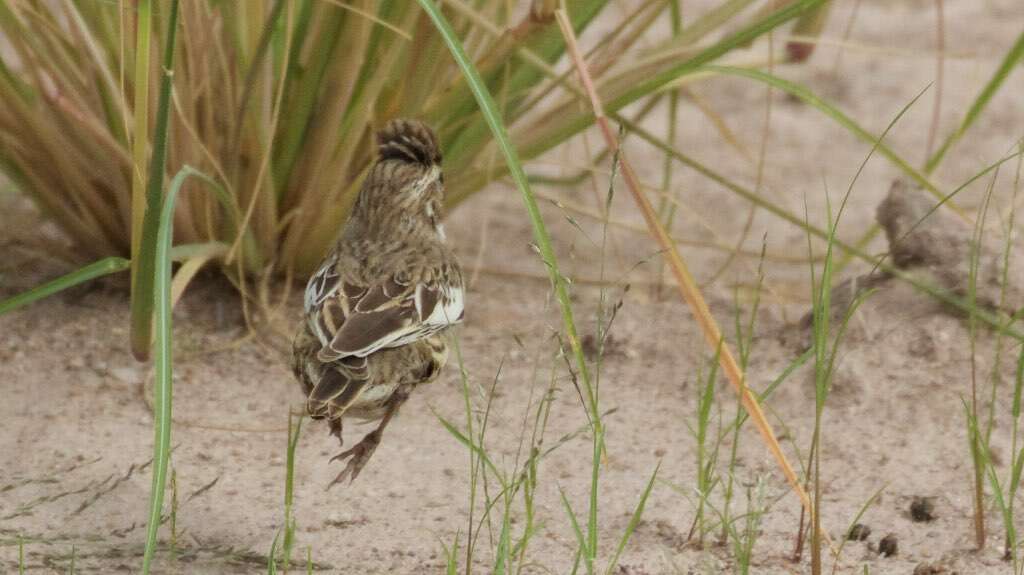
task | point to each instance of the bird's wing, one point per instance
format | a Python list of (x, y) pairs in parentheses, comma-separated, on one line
[(355, 321)]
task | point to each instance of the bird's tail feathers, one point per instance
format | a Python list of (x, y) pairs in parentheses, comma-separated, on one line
[(409, 141)]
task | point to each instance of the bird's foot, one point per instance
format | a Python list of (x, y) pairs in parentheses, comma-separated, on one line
[(336, 430), (359, 454)]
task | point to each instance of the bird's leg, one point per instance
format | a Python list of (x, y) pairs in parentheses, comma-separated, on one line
[(362, 451)]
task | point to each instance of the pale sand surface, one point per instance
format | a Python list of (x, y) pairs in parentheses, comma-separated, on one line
[(77, 433)]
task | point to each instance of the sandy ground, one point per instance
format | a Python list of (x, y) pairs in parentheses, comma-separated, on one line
[(77, 431)]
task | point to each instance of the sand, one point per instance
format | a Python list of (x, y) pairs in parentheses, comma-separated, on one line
[(74, 453)]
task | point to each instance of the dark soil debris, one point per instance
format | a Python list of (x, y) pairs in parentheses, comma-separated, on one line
[(889, 545), (922, 509), (859, 532)]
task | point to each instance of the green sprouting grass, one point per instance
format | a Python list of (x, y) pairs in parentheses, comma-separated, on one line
[(289, 491), (976, 436), (744, 336), (1016, 457), (824, 346), (272, 555), (517, 488), (707, 449), (745, 537)]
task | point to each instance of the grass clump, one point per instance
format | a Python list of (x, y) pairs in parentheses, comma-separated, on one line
[(278, 101)]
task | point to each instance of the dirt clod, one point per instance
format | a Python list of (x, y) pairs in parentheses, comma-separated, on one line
[(932, 568), (889, 545), (922, 509), (938, 248), (859, 532)]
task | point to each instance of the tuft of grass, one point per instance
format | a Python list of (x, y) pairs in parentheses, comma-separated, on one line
[(744, 539), (825, 350), (744, 345), (276, 99), (707, 451)]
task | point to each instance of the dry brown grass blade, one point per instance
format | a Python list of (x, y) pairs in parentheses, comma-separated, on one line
[(687, 287)]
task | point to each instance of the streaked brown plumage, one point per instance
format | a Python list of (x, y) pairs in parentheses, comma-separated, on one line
[(376, 309)]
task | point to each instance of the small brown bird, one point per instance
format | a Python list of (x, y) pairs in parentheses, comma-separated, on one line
[(376, 308)]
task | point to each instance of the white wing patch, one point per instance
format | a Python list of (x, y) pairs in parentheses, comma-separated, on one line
[(320, 286), (447, 311)]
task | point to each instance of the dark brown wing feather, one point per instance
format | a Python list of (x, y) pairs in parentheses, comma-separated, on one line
[(362, 330), (360, 325), (338, 387)]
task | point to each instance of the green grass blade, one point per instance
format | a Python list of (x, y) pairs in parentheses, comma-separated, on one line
[(634, 521), (546, 44), (106, 266), (1011, 59), (490, 111), (856, 519), (837, 115), (142, 288), (461, 437), (580, 538), (543, 140), (162, 391), (289, 490), (294, 130), (992, 320), (741, 38), (451, 555), (140, 128), (271, 563)]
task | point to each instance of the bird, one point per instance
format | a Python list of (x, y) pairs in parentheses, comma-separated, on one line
[(377, 308)]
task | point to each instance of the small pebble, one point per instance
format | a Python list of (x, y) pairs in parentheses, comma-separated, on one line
[(889, 545)]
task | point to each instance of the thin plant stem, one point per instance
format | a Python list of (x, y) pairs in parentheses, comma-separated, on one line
[(687, 287)]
